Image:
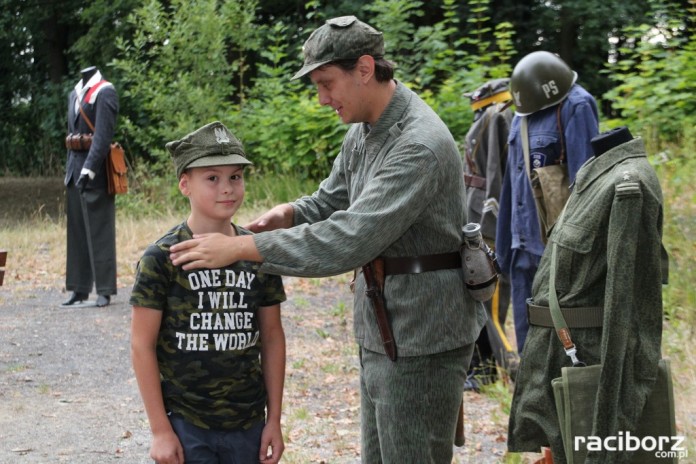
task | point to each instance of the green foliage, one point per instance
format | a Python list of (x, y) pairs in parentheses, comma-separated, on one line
[(438, 48), (656, 78), (29, 137), (453, 107), (434, 60), (578, 30), (501, 392), (676, 168), (170, 65), (179, 64), (305, 137), (395, 19), (264, 191), (178, 70), (103, 20)]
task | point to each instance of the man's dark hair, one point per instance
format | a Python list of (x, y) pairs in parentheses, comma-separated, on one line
[(384, 69)]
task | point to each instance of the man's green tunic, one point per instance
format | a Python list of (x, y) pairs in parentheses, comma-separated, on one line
[(396, 189)]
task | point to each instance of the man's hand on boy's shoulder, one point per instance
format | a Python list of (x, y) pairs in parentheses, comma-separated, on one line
[(278, 217), (213, 251)]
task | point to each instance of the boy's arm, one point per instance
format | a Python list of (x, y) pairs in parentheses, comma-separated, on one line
[(145, 325), (273, 366)]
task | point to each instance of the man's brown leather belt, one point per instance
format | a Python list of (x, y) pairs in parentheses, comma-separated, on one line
[(424, 263), (374, 273), (576, 318), (475, 181)]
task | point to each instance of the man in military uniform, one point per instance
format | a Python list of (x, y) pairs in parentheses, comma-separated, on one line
[(395, 199), (561, 118), (609, 269), (485, 159)]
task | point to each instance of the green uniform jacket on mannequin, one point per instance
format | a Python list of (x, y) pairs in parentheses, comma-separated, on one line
[(396, 189), (609, 254)]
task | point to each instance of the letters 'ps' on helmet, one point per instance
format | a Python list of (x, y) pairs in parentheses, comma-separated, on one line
[(541, 79)]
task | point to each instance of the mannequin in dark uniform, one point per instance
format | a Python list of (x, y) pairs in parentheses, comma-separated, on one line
[(485, 160), (91, 213)]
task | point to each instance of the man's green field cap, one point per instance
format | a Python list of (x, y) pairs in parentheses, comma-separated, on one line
[(341, 38)]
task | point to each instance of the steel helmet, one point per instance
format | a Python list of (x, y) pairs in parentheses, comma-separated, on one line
[(540, 79)]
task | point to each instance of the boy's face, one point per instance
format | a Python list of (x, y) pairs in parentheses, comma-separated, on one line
[(215, 192)]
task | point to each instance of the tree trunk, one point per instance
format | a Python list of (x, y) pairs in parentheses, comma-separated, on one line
[(568, 37), (52, 49)]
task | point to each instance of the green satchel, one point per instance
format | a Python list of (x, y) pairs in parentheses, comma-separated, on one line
[(577, 388)]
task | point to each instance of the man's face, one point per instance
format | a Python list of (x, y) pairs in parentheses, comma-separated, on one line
[(342, 90)]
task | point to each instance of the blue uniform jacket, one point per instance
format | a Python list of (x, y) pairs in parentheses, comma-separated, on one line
[(518, 226)]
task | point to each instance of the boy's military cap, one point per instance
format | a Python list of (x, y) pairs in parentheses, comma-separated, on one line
[(341, 38), (211, 145)]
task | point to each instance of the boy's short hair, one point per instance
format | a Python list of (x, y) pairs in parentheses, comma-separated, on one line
[(211, 145)]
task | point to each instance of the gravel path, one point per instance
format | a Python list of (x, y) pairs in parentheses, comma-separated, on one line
[(68, 393)]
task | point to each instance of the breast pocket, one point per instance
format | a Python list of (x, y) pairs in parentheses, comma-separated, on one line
[(574, 258), (544, 149)]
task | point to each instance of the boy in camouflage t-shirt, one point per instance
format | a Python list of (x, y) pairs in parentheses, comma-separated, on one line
[(208, 346)]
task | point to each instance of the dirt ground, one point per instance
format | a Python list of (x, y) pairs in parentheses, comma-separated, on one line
[(68, 393)]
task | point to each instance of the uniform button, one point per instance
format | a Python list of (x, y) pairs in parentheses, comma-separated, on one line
[(520, 204), (519, 168)]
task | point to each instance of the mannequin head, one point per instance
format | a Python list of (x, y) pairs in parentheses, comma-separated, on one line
[(610, 139), (87, 73)]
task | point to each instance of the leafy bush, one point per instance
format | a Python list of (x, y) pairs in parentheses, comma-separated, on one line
[(656, 78), (177, 68), (282, 125)]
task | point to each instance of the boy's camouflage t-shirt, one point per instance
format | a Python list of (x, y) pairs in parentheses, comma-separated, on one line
[(208, 346)]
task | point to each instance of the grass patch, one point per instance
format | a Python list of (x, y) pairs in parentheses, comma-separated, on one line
[(15, 368), (299, 364), (677, 171), (299, 414), (501, 393)]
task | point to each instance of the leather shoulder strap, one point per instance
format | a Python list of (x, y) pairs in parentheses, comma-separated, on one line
[(524, 133), (559, 124), (88, 95), (84, 116)]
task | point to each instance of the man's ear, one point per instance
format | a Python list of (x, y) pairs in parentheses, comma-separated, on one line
[(366, 67)]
